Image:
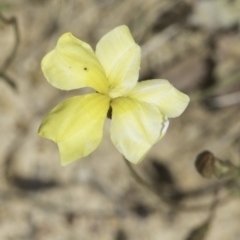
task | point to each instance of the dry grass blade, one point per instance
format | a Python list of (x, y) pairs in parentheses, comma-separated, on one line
[(10, 58)]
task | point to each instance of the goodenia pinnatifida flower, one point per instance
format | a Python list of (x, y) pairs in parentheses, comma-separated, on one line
[(140, 110)]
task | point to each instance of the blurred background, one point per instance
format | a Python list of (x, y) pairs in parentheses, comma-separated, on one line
[(195, 44)]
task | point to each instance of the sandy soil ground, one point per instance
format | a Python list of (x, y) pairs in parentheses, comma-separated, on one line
[(196, 46)]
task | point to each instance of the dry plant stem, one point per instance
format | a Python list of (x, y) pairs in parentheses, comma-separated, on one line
[(141, 181), (209, 92), (10, 58), (8, 80), (180, 207), (226, 100), (159, 39)]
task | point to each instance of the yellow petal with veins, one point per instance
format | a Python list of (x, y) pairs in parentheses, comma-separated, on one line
[(136, 127), (76, 125), (162, 94), (120, 57), (73, 64)]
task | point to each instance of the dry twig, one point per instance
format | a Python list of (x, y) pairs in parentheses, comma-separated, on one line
[(10, 58)]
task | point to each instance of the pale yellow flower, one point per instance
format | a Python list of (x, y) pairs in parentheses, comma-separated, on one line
[(140, 111)]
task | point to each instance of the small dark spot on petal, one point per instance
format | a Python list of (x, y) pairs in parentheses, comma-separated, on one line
[(85, 69)]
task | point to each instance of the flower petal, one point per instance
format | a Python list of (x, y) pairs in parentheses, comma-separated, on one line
[(76, 125), (136, 127), (161, 93), (120, 57), (73, 64)]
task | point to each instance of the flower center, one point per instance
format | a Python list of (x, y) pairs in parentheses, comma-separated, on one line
[(114, 94)]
